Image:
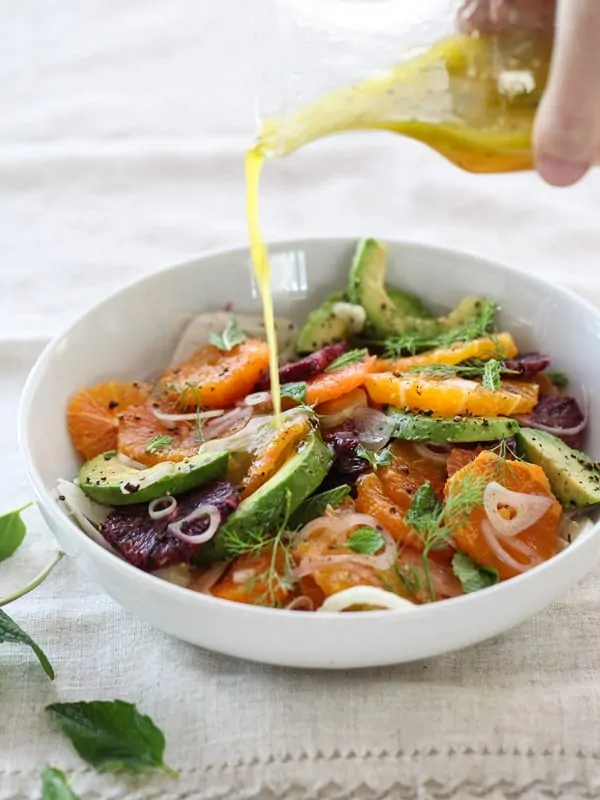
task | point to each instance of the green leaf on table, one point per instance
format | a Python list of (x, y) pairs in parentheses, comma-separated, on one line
[(10, 632), (112, 735), (472, 577), (365, 541), (296, 391), (12, 532), (55, 785), (315, 506), (229, 338)]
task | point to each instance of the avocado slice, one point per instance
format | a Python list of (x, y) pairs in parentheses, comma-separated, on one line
[(282, 494), (396, 312), (574, 476), (366, 287), (442, 430), (108, 481), (323, 327), (408, 304)]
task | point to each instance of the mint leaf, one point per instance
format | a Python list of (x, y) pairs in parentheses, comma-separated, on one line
[(10, 632), (12, 532), (345, 360), (492, 375), (472, 577), (295, 391), (425, 510), (365, 541), (112, 735), (55, 786), (229, 338), (315, 506), (158, 443), (559, 379), (382, 458)]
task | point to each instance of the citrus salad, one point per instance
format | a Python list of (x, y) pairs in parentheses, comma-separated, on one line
[(416, 457)]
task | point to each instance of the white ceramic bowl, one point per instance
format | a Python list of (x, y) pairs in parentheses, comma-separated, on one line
[(134, 332)]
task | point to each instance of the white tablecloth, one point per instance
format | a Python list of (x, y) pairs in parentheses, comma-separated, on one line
[(121, 139)]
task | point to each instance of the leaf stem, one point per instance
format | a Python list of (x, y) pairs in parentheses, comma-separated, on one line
[(34, 583), (427, 571)]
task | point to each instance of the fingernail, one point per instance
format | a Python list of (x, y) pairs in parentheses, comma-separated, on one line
[(560, 173)]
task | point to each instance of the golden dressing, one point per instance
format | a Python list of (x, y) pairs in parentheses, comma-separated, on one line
[(473, 99), (262, 269)]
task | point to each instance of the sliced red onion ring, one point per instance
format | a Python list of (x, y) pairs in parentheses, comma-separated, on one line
[(529, 508), (258, 399), (214, 430), (130, 462), (302, 603), (205, 510), (429, 452), (188, 417), (154, 510), (374, 427), (380, 562), (365, 596), (328, 421), (574, 431), (494, 543), (243, 575)]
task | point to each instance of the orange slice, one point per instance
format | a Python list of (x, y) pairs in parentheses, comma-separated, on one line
[(452, 396), (256, 579), (279, 448), (500, 346), (387, 494), (148, 440), (211, 378), (330, 386), (92, 414), (540, 538)]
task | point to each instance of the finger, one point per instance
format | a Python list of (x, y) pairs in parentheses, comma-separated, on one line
[(567, 127), (494, 16)]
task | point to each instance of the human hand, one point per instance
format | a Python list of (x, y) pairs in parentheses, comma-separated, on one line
[(566, 135)]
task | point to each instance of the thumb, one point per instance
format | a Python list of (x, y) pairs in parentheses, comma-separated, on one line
[(567, 128)]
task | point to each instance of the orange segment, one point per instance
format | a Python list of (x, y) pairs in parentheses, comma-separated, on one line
[(352, 400), (410, 470), (445, 582), (92, 414), (328, 579), (459, 457), (518, 477), (214, 379), (330, 385), (371, 498), (257, 579), (453, 396), (500, 346), (545, 384), (280, 447), (147, 440), (387, 494)]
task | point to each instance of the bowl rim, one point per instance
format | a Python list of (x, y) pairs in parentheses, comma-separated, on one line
[(167, 588)]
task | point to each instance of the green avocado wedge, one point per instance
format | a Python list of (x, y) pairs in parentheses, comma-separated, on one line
[(109, 482), (443, 430), (268, 507), (573, 475), (392, 311), (323, 327)]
